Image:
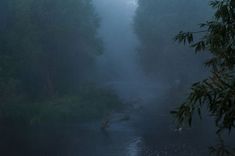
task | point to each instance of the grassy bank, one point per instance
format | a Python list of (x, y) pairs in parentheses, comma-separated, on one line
[(90, 103)]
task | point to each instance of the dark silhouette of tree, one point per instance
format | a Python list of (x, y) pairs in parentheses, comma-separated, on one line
[(217, 92), (156, 22), (46, 47)]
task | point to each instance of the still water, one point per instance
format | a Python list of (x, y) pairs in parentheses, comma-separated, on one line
[(139, 136)]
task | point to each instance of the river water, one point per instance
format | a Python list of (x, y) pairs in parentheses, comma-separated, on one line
[(127, 138)]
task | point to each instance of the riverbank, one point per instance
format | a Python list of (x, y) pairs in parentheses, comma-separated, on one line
[(89, 104)]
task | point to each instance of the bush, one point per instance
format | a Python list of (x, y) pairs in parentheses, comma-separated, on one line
[(89, 104)]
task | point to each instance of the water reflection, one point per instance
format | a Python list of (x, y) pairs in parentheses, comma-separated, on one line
[(121, 139), (135, 147)]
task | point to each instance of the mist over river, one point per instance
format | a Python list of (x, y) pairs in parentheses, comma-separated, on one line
[(118, 66), (99, 78)]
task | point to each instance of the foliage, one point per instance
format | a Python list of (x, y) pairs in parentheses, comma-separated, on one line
[(47, 51), (221, 150), (91, 104), (217, 92), (45, 46), (156, 21)]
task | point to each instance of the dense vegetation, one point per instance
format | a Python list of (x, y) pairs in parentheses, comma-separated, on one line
[(217, 92), (156, 21), (46, 45), (47, 53)]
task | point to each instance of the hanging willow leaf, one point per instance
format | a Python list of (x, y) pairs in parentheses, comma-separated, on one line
[(217, 92)]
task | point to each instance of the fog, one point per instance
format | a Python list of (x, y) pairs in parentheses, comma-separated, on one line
[(151, 71), (118, 66), (121, 66), (100, 77)]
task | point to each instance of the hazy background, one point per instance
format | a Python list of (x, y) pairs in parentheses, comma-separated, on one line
[(99, 77), (141, 59)]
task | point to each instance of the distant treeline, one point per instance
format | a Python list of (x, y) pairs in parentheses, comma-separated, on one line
[(156, 24), (47, 47)]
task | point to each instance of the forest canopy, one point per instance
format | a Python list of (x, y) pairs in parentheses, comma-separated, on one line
[(48, 51), (155, 24), (46, 45)]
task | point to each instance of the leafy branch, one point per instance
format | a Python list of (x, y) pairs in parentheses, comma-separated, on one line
[(217, 92)]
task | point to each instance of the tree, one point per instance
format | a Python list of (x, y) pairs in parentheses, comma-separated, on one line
[(156, 21), (217, 92), (47, 47)]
